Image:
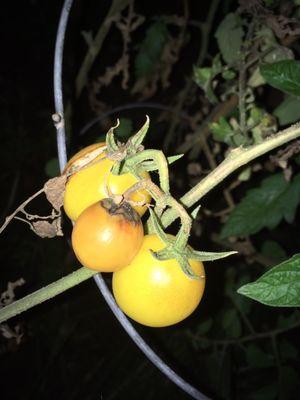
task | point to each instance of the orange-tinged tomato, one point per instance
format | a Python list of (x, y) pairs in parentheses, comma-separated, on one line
[(106, 236), (157, 293), (87, 186)]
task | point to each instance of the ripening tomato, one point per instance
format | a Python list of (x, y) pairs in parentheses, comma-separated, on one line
[(87, 186), (157, 293), (107, 236)]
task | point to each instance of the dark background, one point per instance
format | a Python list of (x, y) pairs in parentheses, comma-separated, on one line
[(73, 347)]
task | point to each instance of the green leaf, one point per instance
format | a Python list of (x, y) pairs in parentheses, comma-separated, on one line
[(52, 168), (266, 206), (228, 75), (221, 130), (273, 250), (257, 358), (283, 75), (279, 287), (204, 327), (230, 37), (124, 130), (231, 323), (288, 111), (151, 49), (204, 76)]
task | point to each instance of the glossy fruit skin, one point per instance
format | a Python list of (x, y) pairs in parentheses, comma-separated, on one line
[(106, 237), (87, 186), (157, 293)]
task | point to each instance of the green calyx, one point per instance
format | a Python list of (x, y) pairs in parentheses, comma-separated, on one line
[(177, 248), (130, 157)]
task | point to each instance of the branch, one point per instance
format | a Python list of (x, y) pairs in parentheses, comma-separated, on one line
[(45, 293), (20, 208), (248, 338), (235, 159)]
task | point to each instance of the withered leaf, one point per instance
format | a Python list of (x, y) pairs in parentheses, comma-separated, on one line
[(45, 229), (8, 296), (54, 191)]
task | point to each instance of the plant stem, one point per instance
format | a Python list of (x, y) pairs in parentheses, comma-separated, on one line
[(235, 159), (45, 293), (248, 338)]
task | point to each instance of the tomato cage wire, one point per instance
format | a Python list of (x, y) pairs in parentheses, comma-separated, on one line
[(58, 119)]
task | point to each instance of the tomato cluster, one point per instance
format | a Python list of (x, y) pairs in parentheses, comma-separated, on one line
[(108, 237)]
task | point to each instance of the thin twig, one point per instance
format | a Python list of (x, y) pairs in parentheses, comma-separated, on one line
[(245, 339), (235, 159), (20, 208)]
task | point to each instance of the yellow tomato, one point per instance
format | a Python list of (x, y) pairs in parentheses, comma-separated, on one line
[(157, 293), (107, 236), (87, 186)]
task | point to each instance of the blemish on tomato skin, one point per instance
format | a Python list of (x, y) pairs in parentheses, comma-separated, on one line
[(124, 209)]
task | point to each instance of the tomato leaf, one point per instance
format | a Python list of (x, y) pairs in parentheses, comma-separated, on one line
[(230, 37), (288, 111), (204, 77), (222, 130), (279, 287), (273, 250), (266, 206), (283, 75)]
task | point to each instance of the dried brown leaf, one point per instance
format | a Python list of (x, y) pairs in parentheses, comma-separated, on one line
[(45, 229), (54, 189), (12, 333), (8, 296)]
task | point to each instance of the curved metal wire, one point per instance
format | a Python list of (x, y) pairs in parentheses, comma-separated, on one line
[(130, 106), (62, 155)]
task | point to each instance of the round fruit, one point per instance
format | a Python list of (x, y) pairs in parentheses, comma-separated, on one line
[(157, 293), (87, 186), (107, 236)]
